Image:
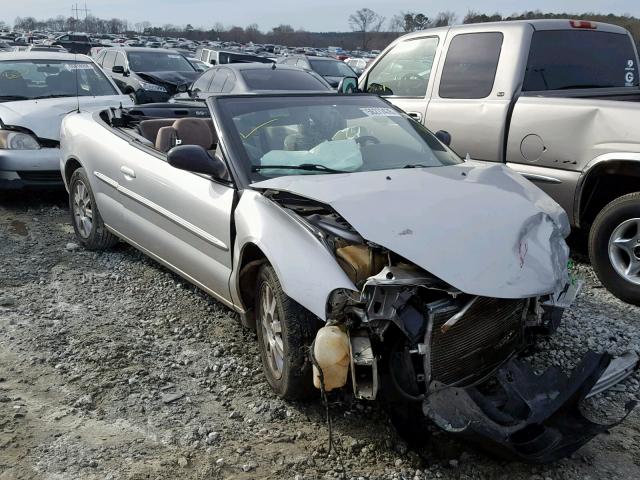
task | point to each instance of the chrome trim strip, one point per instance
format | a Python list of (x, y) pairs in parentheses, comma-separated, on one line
[(540, 178), (181, 222), (175, 269), (105, 179)]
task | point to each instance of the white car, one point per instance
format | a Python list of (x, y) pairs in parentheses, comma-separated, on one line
[(37, 90)]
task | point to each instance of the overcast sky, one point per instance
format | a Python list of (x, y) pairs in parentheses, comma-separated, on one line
[(316, 15)]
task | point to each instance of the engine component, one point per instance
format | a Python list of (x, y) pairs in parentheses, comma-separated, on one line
[(331, 350), (364, 366), (360, 262), (491, 329)]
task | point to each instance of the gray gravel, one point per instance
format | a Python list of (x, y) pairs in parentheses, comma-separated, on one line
[(113, 367)]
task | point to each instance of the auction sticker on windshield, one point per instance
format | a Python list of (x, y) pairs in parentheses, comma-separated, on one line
[(379, 112), (78, 66)]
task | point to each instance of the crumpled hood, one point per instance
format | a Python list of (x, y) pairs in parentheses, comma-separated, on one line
[(43, 117), (170, 78), (482, 228)]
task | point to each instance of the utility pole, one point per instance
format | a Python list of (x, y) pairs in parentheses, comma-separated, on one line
[(76, 11)]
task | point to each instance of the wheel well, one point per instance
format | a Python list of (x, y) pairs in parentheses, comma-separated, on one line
[(71, 166), (252, 258), (605, 183)]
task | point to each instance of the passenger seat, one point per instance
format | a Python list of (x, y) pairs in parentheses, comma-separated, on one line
[(187, 131)]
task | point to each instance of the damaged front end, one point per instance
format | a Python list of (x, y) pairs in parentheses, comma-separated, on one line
[(428, 348)]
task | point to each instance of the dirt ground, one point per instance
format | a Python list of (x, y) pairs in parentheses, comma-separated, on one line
[(112, 367)]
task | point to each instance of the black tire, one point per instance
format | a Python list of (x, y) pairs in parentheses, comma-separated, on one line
[(298, 328), (96, 237), (608, 220)]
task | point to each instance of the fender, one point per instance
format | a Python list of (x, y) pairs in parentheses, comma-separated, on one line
[(631, 158), (307, 271)]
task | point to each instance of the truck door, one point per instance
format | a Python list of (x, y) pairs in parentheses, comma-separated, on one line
[(403, 75), (467, 103)]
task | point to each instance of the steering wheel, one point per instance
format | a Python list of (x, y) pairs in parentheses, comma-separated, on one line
[(363, 140)]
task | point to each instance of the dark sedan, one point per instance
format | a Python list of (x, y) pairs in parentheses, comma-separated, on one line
[(148, 75), (237, 78)]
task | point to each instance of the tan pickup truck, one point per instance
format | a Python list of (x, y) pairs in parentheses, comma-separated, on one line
[(556, 100)]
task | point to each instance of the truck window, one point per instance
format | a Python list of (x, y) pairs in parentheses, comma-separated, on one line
[(470, 68), (404, 71), (564, 59)]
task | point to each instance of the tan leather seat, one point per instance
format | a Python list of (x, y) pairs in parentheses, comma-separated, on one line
[(149, 128), (195, 131), (166, 139)]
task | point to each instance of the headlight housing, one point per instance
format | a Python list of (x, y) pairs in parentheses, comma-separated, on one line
[(10, 140), (152, 87)]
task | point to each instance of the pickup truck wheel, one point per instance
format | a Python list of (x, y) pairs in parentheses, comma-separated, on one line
[(614, 247), (285, 332), (85, 217)]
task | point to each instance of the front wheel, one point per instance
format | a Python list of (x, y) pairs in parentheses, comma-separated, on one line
[(614, 247), (285, 332)]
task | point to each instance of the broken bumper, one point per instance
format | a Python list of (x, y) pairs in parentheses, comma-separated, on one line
[(519, 415)]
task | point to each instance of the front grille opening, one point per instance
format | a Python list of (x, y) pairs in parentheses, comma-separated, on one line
[(40, 176)]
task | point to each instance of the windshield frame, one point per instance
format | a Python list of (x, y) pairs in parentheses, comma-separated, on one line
[(99, 72), (237, 156)]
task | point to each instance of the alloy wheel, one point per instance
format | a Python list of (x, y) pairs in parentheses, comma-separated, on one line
[(624, 250), (82, 209), (271, 330)]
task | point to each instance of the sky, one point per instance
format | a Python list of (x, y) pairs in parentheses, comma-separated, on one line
[(325, 15)]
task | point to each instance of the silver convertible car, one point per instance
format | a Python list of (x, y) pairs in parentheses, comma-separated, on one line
[(366, 254)]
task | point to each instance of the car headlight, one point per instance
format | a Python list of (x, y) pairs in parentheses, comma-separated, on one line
[(17, 141), (152, 87)]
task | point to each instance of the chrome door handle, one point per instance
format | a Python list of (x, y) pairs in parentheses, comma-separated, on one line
[(415, 115), (128, 172)]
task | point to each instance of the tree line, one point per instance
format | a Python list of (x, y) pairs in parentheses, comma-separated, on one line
[(369, 30)]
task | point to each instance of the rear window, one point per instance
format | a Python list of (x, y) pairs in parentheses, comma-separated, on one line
[(565, 59), (275, 79)]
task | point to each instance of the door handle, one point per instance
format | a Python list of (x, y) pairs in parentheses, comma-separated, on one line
[(415, 115), (128, 172)]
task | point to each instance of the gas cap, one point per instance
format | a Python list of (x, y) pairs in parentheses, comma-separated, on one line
[(532, 148)]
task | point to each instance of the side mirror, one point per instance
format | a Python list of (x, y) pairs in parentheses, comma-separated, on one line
[(118, 69), (194, 158), (444, 137), (348, 85)]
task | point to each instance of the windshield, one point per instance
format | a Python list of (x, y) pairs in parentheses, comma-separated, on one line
[(296, 135), (281, 79), (33, 79), (159, 62), (330, 68)]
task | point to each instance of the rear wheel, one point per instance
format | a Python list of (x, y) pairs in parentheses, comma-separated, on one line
[(614, 247), (85, 216), (285, 332)]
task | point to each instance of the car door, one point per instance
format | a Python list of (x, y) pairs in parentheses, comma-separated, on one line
[(468, 102), (182, 219), (404, 74)]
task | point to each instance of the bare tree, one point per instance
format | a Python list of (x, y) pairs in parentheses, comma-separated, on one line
[(365, 21), (444, 19)]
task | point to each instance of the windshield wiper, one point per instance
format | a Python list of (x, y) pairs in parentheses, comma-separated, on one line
[(55, 95), (8, 98), (415, 165), (312, 167)]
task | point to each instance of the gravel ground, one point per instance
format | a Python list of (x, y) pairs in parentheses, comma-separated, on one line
[(111, 367)]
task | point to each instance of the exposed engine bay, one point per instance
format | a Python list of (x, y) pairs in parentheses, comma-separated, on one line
[(416, 342)]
